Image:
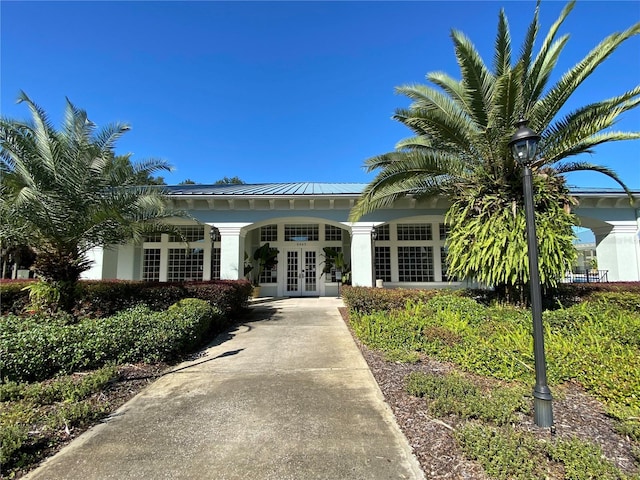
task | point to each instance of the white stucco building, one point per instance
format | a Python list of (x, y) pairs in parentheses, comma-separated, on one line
[(403, 245)]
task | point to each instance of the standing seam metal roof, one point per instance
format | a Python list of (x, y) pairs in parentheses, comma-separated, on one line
[(302, 188), (313, 188)]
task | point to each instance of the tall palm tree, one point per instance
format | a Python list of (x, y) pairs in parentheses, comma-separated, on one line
[(460, 150), (66, 192)]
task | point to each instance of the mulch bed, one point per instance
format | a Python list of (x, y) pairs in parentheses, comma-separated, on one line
[(576, 414)]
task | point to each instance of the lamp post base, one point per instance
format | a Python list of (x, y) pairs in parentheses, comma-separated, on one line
[(542, 411)]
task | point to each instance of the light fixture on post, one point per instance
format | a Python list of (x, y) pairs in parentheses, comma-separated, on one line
[(523, 145)]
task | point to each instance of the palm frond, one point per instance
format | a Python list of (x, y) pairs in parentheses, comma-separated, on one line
[(419, 141), (454, 88), (417, 172), (538, 73), (579, 130), (435, 115), (107, 137), (526, 50), (548, 107), (41, 128), (477, 78), (569, 167), (502, 50)]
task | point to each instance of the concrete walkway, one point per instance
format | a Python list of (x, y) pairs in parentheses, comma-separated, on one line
[(285, 395)]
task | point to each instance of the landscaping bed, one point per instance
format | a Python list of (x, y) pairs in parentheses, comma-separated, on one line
[(437, 451), (458, 378)]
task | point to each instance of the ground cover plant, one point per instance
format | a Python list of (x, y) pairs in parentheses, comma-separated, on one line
[(480, 389)]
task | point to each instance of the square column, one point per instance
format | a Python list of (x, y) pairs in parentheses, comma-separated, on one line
[(362, 255), (618, 251), (231, 250)]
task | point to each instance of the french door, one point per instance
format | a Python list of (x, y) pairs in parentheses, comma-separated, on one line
[(301, 274)]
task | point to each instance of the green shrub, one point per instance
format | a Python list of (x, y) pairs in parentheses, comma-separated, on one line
[(368, 300), (230, 297), (35, 351), (13, 296), (629, 301), (402, 356), (389, 331), (568, 294), (12, 437), (100, 299)]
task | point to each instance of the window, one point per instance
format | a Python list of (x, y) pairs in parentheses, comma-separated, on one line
[(444, 231), (301, 233), (269, 275), (417, 231), (185, 264), (269, 233), (215, 263), (332, 233), (444, 265), (331, 275), (382, 232), (415, 264), (383, 263), (191, 233), (155, 237), (151, 265)]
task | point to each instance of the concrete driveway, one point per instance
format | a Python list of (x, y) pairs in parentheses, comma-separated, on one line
[(284, 395)]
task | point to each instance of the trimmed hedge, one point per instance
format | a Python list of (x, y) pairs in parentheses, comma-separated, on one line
[(564, 294), (102, 298), (367, 300), (33, 350), (13, 297)]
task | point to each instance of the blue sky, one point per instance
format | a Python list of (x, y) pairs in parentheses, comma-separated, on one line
[(280, 91)]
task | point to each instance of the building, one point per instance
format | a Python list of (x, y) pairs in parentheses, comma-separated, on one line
[(399, 246)]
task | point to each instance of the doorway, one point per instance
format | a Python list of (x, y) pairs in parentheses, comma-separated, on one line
[(301, 275)]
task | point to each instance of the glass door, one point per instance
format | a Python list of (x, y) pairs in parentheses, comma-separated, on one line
[(301, 272)]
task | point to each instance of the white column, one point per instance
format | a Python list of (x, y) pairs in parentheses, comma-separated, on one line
[(206, 257), (361, 255), (231, 250), (618, 251), (127, 262), (96, 256)]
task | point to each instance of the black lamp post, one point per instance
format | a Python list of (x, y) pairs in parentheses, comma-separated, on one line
[(524, 144)]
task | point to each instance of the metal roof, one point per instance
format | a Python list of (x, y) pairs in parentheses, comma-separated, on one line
[(600, 191), (330, 189), (269, 189)]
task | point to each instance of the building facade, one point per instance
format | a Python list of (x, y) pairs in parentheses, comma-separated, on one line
[(400, 246)]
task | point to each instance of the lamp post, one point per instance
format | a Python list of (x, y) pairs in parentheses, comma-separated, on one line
[(524, 144)]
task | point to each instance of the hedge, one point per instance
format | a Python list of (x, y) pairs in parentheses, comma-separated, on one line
[(102, 298), (33, 350)]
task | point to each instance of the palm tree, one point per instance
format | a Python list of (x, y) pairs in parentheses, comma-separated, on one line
[(67, 192), (460, 150)]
